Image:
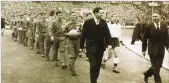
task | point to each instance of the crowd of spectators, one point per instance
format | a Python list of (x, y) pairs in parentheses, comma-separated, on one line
[(127, 12)]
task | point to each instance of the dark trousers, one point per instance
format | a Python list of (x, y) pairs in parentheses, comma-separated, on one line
[(73, 46), (30, 38), (14, 33), (22, 36), (156, 64), (26, 40), (41, 42), (95, 60), (54, 44), (36, 44)]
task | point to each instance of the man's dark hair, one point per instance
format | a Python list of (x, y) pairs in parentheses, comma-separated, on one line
[(96, 10), (88, 14), (42, 13), (52, 13), (80, 16), (58, 12), (72, 12)]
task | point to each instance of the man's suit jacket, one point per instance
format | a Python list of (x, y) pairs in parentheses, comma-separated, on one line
[(97, 37), (2, 23), (137, 31), (157, 40)]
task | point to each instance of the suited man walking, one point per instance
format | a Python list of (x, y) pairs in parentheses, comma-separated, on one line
[(97, 36), (2, 25), (157, 35), (137, 33)]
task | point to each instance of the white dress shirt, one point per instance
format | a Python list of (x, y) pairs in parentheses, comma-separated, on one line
[(155, 24), (115, 30)]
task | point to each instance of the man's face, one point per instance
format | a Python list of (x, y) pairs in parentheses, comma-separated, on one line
[(99, 14), (108, 19), (59, 16), (80, 18), (87, 16), (43, 16), (156, 17), (90, 16), (115, 18), (73, 16)]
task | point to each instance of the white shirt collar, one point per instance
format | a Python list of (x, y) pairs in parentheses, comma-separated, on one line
[(96, 21), (155, 24)]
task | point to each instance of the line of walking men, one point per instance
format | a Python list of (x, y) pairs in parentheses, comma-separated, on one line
[(42, 33), (61, 34), (68, 39)]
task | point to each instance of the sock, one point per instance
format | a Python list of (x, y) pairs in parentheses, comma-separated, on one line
[(115, 61)]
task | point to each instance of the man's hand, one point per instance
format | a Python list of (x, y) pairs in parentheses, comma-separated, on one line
[(109, 47), (52, 38), (144, 53)]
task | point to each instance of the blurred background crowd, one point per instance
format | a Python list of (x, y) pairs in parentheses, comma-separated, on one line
[(129, 12)]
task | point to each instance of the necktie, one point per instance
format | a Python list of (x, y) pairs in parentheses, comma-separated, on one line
[(158, 27)]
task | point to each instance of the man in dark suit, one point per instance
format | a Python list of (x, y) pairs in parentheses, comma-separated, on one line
[(2, 26), (157, 35), (137, 33), (96, 34)]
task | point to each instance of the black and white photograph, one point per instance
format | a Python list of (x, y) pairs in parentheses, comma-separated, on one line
[(84, 41)]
